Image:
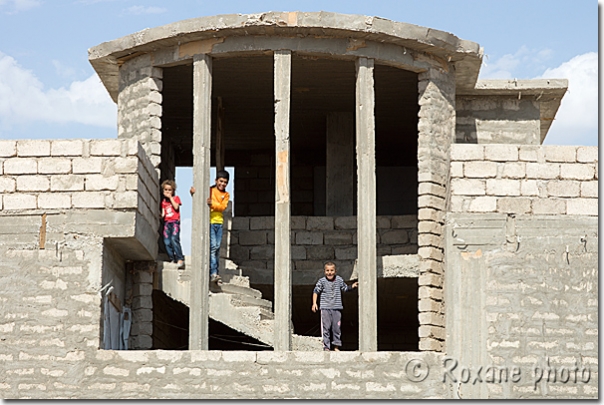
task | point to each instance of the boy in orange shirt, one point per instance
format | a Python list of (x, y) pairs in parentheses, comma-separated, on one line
[(217, 201)]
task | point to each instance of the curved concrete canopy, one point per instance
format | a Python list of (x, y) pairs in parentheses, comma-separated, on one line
[(466, 55)]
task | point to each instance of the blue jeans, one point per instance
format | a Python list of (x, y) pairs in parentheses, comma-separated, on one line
[(215, 240), (172, 240)]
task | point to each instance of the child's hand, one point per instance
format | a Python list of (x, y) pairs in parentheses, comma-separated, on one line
[(209, 201), (355, 284), (314, 307), (192, 190)]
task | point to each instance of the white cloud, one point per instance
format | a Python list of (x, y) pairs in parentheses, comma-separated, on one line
[(507, 66), (24, 99), (576, 122), (19, 5), (137, 10)]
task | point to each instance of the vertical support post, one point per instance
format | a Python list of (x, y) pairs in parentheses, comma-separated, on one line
[(220, 137), (202, 113), (366, 205), (339, 164), (283, 271)]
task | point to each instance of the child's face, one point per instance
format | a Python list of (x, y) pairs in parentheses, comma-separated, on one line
[(330, 272), (221, 183), (168, 190)]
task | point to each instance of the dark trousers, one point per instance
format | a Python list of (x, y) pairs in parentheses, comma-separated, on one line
[(330, 327)]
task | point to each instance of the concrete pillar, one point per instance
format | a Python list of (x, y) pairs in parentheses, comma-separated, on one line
[(366, 205), (283, 270), (339, 164), (436, 131), (202, 124)]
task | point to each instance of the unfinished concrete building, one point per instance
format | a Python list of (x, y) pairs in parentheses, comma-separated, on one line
[(354, 139)]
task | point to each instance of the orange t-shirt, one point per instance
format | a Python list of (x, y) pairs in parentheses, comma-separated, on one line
[(220, 200)]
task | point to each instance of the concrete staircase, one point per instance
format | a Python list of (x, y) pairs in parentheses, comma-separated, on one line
[(233, 303)]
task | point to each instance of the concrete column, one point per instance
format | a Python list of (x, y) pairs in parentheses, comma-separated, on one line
[(340, 161), (366, 205), (202, 124), (283, 270)]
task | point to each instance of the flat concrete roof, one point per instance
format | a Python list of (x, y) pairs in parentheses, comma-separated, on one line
[(466, 55), (548, 92)]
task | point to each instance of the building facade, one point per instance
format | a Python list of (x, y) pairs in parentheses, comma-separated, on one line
[(353, 139)]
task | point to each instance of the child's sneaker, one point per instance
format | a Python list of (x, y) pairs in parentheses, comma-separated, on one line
[(216, 279), (181, 265)]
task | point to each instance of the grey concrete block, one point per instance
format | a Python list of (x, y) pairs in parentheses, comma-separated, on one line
[(548, 206), (257, 223), (501, 153), (72, 147), (298, 253), (67, 183), (54, 201), (383, 222), (349, 253), (582, 206), (503, 187), (337, 238), (88, 199), (404, 221), (28, 148), (463, 152), (87, 165), (265, 252), (513, 170), (320, 253), (20, 166), (345, 223), (19, 201), (468, 187), (564, 188), (319, 223), (33, 183), (7, 185), (585, 154), (106, 147), (252, 238), (309, 238), (569, 171), (513, 205), (563, 154), (54, 166), (393, 237), (480, 169), (98, 182), (8, 149), (483, 204)]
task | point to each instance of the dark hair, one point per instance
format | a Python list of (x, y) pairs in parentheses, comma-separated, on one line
[(329, 264), (170, 183), (222, 174)]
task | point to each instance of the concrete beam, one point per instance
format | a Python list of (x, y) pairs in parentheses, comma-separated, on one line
[(366, 205), (340, 161), (283, 269), (202, 125)]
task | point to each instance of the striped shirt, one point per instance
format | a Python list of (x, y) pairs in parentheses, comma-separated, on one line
[(331, 292)]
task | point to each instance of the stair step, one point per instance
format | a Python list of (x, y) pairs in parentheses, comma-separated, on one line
[(246, 301), (236, 289)]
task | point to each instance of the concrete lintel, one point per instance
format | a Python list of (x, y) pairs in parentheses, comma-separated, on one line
[(104, 57), (202, 126)]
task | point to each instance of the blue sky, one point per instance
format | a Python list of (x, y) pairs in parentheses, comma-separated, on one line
[(48, 89)]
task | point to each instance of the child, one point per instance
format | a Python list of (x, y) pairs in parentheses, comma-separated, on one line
[(217, 201), (330, 287), (170, 212)]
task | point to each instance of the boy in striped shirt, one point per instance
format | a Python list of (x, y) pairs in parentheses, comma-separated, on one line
[(330, 288)]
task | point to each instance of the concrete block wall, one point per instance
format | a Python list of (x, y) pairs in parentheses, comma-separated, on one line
[(139, 105), (436, 132), (522, 291), (255, 188), (497, 119), (222, 375), (523, 179), (314, 241), (59, 175)]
